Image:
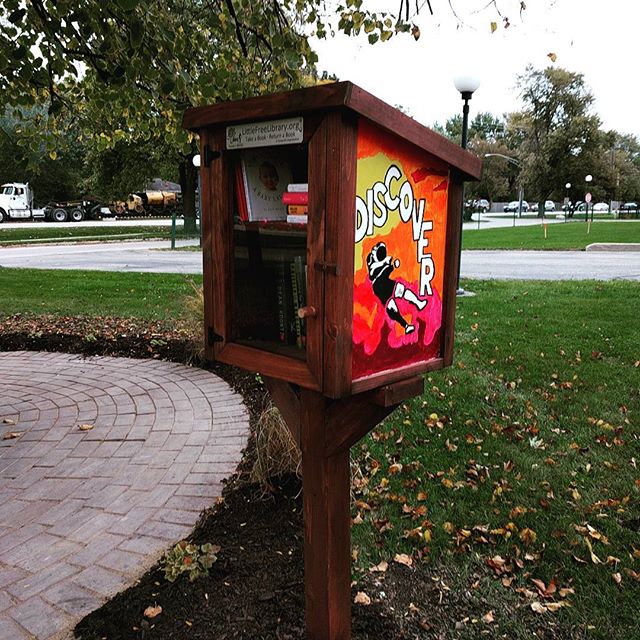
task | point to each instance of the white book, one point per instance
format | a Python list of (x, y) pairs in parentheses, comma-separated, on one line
[(298, 187), (297, 218), (265, 172)]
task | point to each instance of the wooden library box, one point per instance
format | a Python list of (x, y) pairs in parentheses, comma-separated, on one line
[(330, 235)]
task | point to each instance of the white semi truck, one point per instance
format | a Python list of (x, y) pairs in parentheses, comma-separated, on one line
[(16, 203)]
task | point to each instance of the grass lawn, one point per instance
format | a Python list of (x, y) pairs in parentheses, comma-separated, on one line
[(569, 235), (515, 477), (154, 296), (520, 463), (55, 233)]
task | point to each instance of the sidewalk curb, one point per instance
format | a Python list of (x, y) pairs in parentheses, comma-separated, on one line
[(613, 246)]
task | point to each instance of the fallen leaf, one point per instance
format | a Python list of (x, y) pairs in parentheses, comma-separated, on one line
[(380, 568), (538, 607), (617, 578), (487, 618), (494, 27), (594, 557), (528, 536), (152, 612), (362, 598), (403, 558), (8, 421), (395, 468), (85, 427), (11, 435)]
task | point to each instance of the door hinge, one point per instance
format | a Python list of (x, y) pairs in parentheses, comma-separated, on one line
[(326, 267), (210, 154), (213, 337)]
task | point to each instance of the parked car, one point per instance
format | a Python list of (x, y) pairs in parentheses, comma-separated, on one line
[(578, 205), (514, 205), (549, 205), (629, 206), (482, 205), (601, 207)]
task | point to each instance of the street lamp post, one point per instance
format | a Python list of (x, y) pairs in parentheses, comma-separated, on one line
[(466, 85)]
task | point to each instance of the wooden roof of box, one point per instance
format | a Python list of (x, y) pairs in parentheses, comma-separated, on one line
[(338, 95)]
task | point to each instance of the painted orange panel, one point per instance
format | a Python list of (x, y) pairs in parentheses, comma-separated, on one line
[(401, 215)]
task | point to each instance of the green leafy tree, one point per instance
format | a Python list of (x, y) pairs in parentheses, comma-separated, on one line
[(51, 179), (127, 69), (483, 126), (558, 137)]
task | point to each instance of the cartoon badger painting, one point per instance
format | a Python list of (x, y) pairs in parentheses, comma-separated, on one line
[(380, 266)]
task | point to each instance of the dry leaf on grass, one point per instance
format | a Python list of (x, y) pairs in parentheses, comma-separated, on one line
[(403, 558), (488, 618)]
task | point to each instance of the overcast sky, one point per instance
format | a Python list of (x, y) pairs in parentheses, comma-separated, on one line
[(598, 38)]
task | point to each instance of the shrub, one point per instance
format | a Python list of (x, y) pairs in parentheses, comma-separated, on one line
[(189, 558)]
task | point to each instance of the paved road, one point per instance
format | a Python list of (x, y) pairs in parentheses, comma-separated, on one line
[(84, 512), (551, 265), (145, 256)]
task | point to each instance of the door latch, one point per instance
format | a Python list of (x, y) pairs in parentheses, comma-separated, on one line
[(326, 267)]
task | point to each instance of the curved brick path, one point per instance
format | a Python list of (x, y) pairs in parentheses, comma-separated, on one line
[(82, 513)]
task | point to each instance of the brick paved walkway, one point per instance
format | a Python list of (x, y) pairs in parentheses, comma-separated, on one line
[(83, 513)]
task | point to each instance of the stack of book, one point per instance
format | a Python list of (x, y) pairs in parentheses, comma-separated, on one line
[(291, 288), (296, 199)]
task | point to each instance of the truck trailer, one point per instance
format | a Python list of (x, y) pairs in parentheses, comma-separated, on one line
[(16, 203)]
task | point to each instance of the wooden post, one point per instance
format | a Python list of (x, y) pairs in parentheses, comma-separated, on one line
[(327, 530), (325, 430)]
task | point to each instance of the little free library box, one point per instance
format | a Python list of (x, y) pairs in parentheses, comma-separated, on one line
[(330, 233)]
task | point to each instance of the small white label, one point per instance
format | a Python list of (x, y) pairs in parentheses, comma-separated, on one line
[(265, 134)]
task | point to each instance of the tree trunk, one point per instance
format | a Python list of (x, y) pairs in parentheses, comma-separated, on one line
[(188, 182)]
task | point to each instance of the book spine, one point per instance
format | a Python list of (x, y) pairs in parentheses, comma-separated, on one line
[(301, 280), (282, 302), (297, 209), (245, 184), (295, 198), (297, 219), (241, 197), (297, 187), (296, 304)]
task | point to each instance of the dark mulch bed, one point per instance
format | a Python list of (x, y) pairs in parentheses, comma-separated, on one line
[(255, 590)]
